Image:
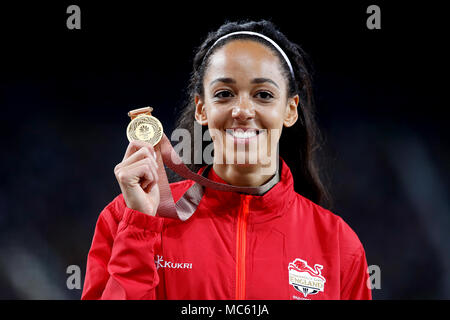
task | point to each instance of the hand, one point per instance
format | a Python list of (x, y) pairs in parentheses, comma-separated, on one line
[(138, 178)]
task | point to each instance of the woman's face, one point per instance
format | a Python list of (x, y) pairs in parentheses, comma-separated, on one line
[(245, 103)]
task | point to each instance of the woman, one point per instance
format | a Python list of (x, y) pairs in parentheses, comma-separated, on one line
[(249, 85)]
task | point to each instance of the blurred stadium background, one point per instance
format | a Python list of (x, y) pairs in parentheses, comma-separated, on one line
[(64, 96)]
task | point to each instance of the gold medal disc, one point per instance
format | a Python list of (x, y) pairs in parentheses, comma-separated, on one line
[(145, 127)]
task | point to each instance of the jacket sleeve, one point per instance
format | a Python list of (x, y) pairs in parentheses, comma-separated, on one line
[(121, 259), (355, 284), (354, 272)]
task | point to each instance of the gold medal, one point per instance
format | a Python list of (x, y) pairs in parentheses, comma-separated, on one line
[(144, 126)]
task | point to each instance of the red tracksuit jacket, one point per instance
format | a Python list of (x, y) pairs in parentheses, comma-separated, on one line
[(235, 246)]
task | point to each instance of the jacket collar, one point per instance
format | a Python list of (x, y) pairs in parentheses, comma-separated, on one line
[(261, 207)]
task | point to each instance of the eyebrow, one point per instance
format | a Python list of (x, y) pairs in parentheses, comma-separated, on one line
[(256, 80), (262, 80)]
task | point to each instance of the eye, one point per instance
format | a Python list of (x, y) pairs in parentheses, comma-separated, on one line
[(223, 94), (264, 95)]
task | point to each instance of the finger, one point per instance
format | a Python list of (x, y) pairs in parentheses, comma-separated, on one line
[(153, 167), (141, 157), (142, 153), (143, 172), (131, 176), (135, 145), (148, 187), (143, 162)]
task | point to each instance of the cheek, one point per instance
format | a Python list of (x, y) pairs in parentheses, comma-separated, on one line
[(273, 118), (216, 118)]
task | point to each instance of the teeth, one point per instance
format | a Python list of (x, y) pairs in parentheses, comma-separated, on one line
[(243, 134)]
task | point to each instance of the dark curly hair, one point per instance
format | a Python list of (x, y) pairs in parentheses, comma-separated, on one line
[(304, 133)]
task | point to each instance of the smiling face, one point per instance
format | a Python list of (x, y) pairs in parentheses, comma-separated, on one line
[(245, 104)]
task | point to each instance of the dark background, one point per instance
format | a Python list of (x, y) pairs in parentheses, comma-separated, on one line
[(64, 95)]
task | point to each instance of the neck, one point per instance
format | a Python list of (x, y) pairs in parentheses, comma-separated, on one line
[(243, 175)]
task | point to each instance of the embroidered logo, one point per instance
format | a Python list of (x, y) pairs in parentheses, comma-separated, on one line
[(306, 279), (160, 263)]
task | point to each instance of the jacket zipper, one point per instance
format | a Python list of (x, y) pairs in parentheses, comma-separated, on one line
[(241, 247)]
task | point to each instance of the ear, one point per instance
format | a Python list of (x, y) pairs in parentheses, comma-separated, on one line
[(291, 114), (200, 112)]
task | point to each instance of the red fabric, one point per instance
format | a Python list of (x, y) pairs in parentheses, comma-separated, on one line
[(198, 258)]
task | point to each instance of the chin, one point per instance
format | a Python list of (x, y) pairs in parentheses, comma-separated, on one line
[(246, 165), (242, 161)]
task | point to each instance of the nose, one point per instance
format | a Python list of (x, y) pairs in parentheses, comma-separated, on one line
[(244, 110)]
